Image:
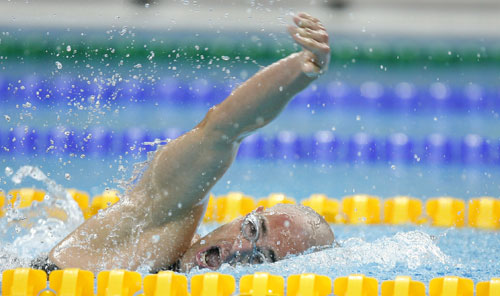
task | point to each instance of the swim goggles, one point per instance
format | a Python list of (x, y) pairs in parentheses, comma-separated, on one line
[(250, 230)]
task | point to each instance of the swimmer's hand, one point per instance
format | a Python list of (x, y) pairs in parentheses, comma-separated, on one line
[(313, 38)]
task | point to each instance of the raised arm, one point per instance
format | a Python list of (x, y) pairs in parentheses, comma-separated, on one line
[(261, 98), (154, 223)]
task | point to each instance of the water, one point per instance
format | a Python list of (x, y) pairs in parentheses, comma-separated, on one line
[(29, 232), (384, 252), (295, 179), (379, 251)]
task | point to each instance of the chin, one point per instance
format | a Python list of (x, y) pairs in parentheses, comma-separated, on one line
[(186, 265)]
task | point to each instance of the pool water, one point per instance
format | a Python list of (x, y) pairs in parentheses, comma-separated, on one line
[(382, 252)]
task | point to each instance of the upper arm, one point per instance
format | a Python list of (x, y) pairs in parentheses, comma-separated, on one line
[(119, 238), (157, 220)]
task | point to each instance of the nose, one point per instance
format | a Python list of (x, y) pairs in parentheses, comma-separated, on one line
[(241, 244)]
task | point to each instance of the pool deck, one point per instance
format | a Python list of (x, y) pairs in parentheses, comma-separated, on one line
[(474, 19)]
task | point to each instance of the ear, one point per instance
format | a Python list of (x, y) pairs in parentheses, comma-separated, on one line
[(260, 209)]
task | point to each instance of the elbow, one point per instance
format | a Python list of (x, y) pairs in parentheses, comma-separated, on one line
[(218, 126), (59, 257)]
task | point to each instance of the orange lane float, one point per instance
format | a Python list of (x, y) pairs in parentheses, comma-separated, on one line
[(446, 211), (361, 209), (76, 282), (355, 285), (326, 207), (165, 283), (24, 197), (232, 206), (484, 212), (103, 201), (403, 286), (274, 199), (2, 203), (309, 284), (118, 283), (451, 286), (83, 201), (402, 210), (23, 281), (71, 282), (212, 284), (262, 284), (210, 211), (490, 288)]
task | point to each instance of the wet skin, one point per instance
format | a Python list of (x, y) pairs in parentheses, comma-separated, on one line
[(282, 234), (149, 228)]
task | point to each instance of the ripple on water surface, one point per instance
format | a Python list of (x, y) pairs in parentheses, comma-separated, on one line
[(377, 251)]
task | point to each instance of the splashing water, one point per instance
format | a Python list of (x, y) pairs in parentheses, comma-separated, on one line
[(412, 249), (26, 233), (405, 250)]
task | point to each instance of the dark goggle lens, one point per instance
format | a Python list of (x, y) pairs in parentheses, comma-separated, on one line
[(250, 228)]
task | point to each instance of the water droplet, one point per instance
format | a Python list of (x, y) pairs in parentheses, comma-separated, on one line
[(59, 65), (151, 55), (7, 117), (225, 58), (8, 171), (68, 48), (67, 176)]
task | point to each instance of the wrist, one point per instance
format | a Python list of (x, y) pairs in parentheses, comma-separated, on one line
[(311, 65)]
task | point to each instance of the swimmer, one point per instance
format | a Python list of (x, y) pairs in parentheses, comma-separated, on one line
[(154, 225)]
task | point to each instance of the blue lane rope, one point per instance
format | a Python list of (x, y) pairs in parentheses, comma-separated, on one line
[(334, 94), (322, 146)]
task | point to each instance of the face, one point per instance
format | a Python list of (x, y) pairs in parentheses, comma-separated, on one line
[(262, 236)]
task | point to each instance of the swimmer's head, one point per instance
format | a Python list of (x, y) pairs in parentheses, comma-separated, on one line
[(262, 236)]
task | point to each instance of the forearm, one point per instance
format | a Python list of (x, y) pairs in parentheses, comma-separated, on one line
[(261, 98)]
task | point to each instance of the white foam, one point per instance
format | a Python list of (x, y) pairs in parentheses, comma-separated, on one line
[(408, 250), (27, 233)]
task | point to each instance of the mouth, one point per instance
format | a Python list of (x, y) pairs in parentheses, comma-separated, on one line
[(210, 257)]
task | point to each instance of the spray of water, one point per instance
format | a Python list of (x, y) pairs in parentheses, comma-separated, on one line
[(28, 232), (412, 250)]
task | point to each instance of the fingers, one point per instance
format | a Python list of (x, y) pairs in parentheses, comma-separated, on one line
[(310, 43), (307, 23), (312, 36), (318, 35), (308, 16)]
